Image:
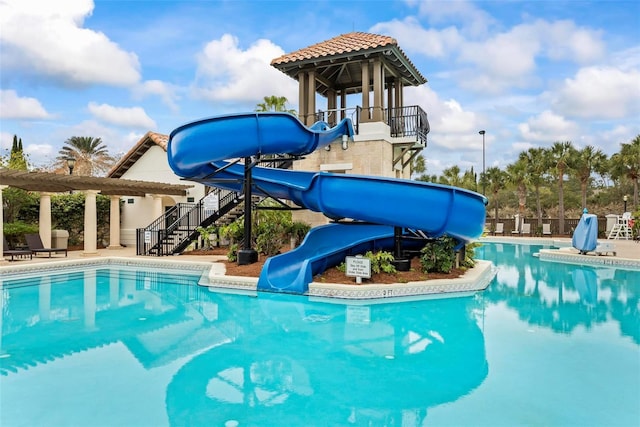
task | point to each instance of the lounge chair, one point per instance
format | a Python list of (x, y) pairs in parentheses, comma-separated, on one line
[(36, 247), (499, 228), (526, 229), (17, 253), (546, 229)]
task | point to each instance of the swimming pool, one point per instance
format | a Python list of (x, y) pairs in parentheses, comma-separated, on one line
[(545, 344)]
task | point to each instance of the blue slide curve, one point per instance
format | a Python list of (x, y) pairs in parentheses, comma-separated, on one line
[(198, 151)]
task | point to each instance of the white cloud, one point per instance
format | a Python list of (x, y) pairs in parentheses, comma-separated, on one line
[(227, 73), (165, 91), (412, 37), (46, 39), (14, 107), (599, 93), (547, 128), (134, 117)]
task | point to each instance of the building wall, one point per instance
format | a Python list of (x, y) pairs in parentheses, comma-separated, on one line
[(138, 212), (371, 153)]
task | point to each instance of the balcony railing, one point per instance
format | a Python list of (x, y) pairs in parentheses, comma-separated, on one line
[(410, 121)]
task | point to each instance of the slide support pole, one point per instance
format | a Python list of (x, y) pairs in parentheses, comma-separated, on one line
[(247, 255)]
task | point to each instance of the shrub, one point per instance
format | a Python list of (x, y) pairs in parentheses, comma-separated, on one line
[(381, 261), (438, 256), (15, 231)]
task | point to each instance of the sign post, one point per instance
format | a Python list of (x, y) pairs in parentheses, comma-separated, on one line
[(358, 267)]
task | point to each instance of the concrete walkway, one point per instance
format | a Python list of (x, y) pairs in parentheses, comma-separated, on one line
[(624, 249)]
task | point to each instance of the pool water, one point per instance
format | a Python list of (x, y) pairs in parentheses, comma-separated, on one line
[(546, 344)]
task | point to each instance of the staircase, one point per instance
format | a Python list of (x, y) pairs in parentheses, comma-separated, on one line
[(173, 232)]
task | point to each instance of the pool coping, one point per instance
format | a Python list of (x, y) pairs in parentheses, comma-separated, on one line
[(475, 279), (572, 256), (213, 276)]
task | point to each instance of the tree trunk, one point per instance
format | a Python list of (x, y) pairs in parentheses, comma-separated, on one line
[(561, 202)]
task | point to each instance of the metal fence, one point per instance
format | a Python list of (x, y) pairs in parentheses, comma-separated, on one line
[(570, 224)]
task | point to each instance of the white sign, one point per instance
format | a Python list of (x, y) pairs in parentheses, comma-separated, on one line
[(147, 237), (358, 266)]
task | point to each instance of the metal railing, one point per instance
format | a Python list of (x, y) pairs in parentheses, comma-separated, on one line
[(409, 121), (172, 232)]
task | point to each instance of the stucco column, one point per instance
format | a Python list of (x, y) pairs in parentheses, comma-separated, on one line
[(332, 101), (90, 224), (311, 100), (44, 224), (2, 187), (157, 205), (302, 96), (114, 223), (343, 104), (364, 117), (378, 91)]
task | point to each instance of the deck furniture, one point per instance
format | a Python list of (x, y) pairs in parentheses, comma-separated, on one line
[(36, 247), (14, 253), (546, 229), (499, 229), (622, 228)]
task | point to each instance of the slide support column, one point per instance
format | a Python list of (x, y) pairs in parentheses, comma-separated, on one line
[(247, 255), (400, 263)]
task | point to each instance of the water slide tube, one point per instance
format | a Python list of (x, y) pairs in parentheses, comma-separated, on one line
[(199, 151)]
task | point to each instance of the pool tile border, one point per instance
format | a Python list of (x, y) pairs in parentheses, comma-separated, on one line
[(475, 279), (564, 255), (212, 275)]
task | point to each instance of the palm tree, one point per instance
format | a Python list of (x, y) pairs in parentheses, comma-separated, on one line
[(560, 155), (626, 163), (517, 176), (587, 161), (274, 103), (92, 156), (496, 181), (536, 168), (451, 176)]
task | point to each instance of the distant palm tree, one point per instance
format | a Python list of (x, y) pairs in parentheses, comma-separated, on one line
[(496, 180), (92, 156), (587, 161), (536, 168), (517, 176), (626, 163), (561, 155), (274, 103)]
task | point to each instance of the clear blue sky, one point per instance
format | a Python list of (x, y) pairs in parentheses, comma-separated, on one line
[(528, 72)]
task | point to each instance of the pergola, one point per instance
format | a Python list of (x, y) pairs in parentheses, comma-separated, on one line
[(48, 183)]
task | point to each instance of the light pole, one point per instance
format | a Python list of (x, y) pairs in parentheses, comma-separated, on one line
[(482, 132), (625, 198), (71, 163)]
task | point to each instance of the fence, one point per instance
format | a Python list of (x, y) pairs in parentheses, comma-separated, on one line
[(536, 228)]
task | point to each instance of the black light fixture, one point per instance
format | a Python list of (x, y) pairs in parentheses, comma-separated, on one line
[(625, 198), (71, 163), (482, 132)]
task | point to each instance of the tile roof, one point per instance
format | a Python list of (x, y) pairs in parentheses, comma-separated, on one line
[(344, 43), (337, 61), (147, 141)]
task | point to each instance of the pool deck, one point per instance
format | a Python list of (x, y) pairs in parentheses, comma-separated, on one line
[(627, 255)]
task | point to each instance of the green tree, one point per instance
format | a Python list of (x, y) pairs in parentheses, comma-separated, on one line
[(587, 161), (91, 154), (518, 177), (17, 159), (496, 181), (274, 103), (536, 169), (626, 164), (561, 155)]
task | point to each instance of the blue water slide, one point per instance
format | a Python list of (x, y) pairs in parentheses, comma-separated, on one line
[(200, 150)]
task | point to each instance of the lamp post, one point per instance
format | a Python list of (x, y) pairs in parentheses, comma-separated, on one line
[(625, 198), (71, 163), (482, 132)]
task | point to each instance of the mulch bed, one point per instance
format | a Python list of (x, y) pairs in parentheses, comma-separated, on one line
[(332, 275)]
